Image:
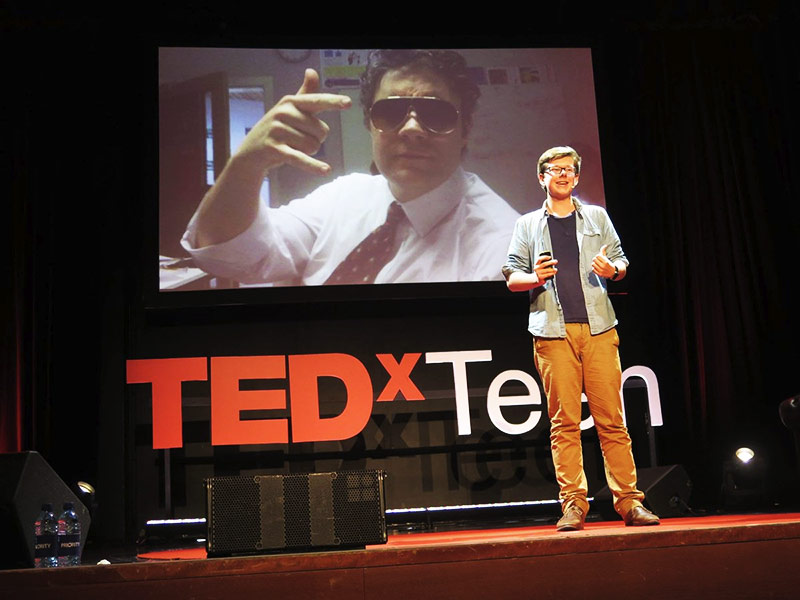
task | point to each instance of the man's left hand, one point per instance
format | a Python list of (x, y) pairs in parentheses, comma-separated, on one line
[(601, 265)]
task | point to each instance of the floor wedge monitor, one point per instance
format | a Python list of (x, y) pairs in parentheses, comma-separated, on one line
[(26, 482)]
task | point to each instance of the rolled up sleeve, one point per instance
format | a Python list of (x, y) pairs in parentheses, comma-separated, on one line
[(519, 250)]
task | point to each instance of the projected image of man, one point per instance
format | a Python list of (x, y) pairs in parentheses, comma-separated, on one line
[(420, 218)]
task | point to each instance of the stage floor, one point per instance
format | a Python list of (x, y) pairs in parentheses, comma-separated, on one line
[(747, 556)]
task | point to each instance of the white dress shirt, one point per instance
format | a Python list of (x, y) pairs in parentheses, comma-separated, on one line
[(456, 232)]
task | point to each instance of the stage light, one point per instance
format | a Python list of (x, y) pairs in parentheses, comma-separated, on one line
[(456, 507), (86, 488), (789, 412), (744, 480), (745, 455), (87, 495), (174, 532), (482, 514)]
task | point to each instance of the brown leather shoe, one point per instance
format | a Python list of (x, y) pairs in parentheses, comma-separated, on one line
[(639, 515), (572, 520)]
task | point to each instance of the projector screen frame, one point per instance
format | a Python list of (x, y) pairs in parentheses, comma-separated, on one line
[(155, 298)]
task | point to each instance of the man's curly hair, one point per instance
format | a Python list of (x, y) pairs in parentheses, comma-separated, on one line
[(447, 64)]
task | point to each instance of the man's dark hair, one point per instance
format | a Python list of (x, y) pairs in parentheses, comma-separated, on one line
[(447, 64)]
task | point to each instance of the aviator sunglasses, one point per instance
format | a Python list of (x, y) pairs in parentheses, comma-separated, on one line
[(434, 114)]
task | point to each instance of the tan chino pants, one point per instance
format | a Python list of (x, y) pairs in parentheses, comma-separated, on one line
[(587, 363)]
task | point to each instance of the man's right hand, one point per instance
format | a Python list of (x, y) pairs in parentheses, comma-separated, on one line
[(545, 267), (291, 132)]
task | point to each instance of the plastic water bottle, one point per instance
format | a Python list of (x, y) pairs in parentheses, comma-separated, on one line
[(45, 531), (69, 537)]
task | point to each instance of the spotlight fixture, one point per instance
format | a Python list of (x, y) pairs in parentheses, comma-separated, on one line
[(87, 495), (789, 411), (745, 455), (744, 485), (86, 488)]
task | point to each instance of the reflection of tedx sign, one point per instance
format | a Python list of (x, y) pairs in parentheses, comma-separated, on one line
[(304, 371)]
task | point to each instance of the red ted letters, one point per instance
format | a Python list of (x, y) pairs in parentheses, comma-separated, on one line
[(228, 400)]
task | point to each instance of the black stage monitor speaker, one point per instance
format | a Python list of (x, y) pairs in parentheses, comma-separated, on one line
[(27, 482), (316, 511), (666, 489)]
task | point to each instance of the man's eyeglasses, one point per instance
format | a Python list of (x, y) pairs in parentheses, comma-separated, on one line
[(434, 114), (557, 171)]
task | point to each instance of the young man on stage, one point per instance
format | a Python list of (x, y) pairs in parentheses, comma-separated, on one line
[(564, 254)]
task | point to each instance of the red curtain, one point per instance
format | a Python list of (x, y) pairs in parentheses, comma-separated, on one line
[(11, 412)]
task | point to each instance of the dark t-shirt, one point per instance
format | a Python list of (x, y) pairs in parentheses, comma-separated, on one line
[(568, 278)]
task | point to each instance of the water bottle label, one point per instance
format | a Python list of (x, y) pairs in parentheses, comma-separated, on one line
[(45, 546), (70, 545)]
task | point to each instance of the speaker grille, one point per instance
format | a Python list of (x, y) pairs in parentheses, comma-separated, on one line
[(295, 512), (359, 515), (232, 501)]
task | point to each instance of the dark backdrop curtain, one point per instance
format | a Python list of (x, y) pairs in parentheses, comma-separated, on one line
[(72, 133), (703, 169), (11, 407), (17, 348), (30, 260)]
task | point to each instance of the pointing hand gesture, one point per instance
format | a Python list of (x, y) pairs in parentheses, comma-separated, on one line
[(291, 132)]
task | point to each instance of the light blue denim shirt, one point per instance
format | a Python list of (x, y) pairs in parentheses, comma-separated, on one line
[(532, 237)]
